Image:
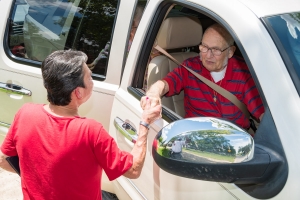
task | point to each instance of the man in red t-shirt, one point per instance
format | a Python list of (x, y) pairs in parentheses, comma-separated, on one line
[(61, 153), (216, 63)]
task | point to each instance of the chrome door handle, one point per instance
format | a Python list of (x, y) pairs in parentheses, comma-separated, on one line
[(4, 124), (13, 88), (126, 129)]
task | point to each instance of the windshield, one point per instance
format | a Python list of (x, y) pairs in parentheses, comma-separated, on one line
[(285, 30)]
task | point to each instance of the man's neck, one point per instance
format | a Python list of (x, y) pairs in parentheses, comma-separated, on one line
[(217, 76), (62, 111)]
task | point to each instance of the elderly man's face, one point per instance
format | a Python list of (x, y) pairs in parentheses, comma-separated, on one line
[(212, 39)]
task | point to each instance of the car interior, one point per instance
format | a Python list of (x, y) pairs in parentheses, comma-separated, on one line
[(175, 33), (179, 34)]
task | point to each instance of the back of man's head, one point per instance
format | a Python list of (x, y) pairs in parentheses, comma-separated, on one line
[(62, 73)]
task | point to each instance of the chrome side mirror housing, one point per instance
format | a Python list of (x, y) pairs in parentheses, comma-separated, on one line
[(205, 139), (211, 149)]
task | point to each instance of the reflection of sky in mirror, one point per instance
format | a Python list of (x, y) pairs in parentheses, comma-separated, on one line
[(166, 131), (196, 124), (239, 140), (216, 123)]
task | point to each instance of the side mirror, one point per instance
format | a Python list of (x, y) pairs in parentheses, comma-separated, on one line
[(211, 149)]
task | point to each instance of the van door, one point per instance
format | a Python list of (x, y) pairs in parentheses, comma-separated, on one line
[(153, 182), (33, 29)]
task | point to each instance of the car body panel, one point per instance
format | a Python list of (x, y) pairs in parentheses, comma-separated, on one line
[(30, 78), (269, 7), (154, 183), (111, 97), (272, 76)]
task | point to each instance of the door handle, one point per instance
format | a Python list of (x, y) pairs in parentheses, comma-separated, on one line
[(15, 89), (126, 129), (4, 124)]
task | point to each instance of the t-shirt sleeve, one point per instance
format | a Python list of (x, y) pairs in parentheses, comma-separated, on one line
[(114, 161), (8, 146)]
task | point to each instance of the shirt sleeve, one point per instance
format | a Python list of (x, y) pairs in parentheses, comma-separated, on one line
[(252, 99), (175, 81), (8, 146), (114, 161)]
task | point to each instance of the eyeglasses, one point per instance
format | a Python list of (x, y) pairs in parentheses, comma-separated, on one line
[(214, 51)]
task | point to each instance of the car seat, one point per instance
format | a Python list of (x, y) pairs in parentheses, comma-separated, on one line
[(174, 33)]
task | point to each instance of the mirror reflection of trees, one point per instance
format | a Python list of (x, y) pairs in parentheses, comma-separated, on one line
[(204, 140), (210, 141), (244, 150), (204, 143), (221, 125)]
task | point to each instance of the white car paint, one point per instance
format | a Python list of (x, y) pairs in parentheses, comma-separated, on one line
[(111, 98)]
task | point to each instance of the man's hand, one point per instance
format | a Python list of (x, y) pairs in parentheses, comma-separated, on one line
[(154, 94), (152, 100), (152, 110), (149, 115)]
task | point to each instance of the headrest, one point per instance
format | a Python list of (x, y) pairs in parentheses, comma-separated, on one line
[(179, 32)]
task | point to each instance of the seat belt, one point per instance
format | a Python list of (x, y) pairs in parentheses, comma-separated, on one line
[(211, 84)]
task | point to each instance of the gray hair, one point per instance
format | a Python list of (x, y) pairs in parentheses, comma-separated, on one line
[(223, 32), (62, 72)]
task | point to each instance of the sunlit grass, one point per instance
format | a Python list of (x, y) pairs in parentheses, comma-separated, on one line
[(208, 155)]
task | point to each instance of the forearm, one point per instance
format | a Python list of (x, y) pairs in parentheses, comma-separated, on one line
[(158, 89), (150, 113), (4, 164), (139, 153)]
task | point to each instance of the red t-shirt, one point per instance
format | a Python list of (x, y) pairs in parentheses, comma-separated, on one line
[(62, 157), (198, 97)]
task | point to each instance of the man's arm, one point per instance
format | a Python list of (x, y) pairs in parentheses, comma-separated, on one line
[(156, 91), (139, 150), (4, 164)]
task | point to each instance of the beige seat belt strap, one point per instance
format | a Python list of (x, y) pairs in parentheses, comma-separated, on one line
[(211, 84)]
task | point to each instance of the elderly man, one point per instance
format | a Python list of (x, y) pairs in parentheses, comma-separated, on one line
[(216, 63), (61, 153)]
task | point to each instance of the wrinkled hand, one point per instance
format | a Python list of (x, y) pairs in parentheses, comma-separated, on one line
[(154, 101), (152, 111)]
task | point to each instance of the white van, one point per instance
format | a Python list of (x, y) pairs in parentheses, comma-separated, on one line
[(267, 36)]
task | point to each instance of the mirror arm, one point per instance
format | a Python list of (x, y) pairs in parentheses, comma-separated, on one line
[(258, 170)]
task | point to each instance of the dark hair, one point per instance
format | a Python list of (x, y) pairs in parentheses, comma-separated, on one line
[(62, 72)]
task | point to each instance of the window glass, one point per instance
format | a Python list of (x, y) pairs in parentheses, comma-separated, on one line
[(39, 27), (136, 20), (287, 29)]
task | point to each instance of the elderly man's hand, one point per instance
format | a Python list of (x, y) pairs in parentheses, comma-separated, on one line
[(154, 101), (152, 109)]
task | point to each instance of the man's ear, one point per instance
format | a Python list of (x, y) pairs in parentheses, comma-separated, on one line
[(77, 93), (231, 51)]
